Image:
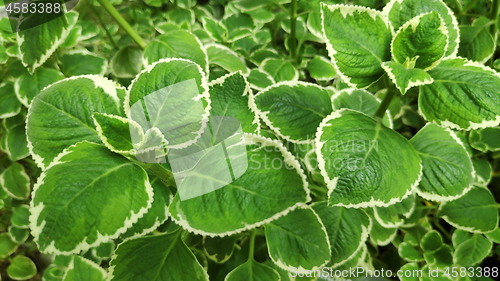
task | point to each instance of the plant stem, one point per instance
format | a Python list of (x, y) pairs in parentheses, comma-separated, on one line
[(293, 30), (165, 175), (252, 244), (387, 100), (123, 23), (495, 7), (103, 25)]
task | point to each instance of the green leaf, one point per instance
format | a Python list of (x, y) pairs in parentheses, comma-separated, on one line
[(280, 70), (253, 271), (7, 246), (472, 251), (358, 41), (21, 268), (476, 42), (259, 56), (219, 249), (405, 78), (81, 62), (494, 236), (155, 216), (68, 202), (115, 132), (431, 241), (69, 105), (181, 16), (53, 273), (380, 235), (364, 163), (238, 26), (82, 269), (27, 86), (394, 215), (360, 100), (440, 258), (448, 103), (483, 171), (298, 240), (176, 44), (409, 252), (15, 181), (36, 44), (293, 110), (447, 169), (226, 58), (421, 42), (321, 69), (231, 96), (409, 267), (215, 29), (9, 104), (18, 235), (459, 236), (463, 213), (20, 217), (127, 62), (485, 139), (179, 98), (260, 79), (155, 258), (401, 11), (16, 145), (347, 231), (105, 250), (244, 204)]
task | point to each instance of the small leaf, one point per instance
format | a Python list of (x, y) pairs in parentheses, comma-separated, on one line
[(238, 26), (81, 62), (463, 213), (409, 267), (215, 29), (127, 62), (18, 235), (356, 157), (356, 50), (16, 144), (156, 258), (476, 42), (219, 249), (280, 70), (116, 132), (252, 271), (485, 139), (431, 241), (483, 171), (394, 215), (347, 231), (226, 58), (421, 42), (380, 235), (321, 69), (21, 268), (9, 104), (260, 79), (15, 181), (494, 236), (405, 78), (472, 250), (105, 250), (7, 246), (293, 110), (447, 169), (409, 252), (459, 236), (401, 11), (447, 103), (82, 269), (27, 86), (68, 199), (298, 240), (20, 217)]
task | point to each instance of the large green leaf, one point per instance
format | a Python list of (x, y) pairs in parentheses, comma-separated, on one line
[(421, 42), (347, 231), (476, 42), (9, 104), (447, 168), (87, 196), (472, 251), (244, 203), (231, 96), (226, 58), (358, 41), (81, 62), (36, 44), (61, 115), (174, 92), (27, 86), (293, 110), (401, 11), (364, 163), (252, 271), (156, 258), (406, 78), (476, 211), (176, 44), (298, 240), (82, 269), (464, 95)]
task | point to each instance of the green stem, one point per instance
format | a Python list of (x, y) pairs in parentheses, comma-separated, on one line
[(123, 23), (99, 18), (293, 30), (387, 100), (459, 6), (165, 175), (495, 7), (252, 244)]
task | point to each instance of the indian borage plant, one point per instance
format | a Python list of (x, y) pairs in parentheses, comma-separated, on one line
[(376, 200)]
